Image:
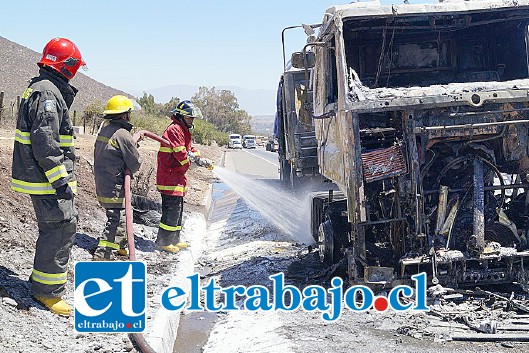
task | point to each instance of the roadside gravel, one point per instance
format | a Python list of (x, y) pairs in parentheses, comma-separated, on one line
[(25, 325)]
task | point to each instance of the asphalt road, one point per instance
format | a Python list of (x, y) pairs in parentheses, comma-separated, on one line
[(255, 162)]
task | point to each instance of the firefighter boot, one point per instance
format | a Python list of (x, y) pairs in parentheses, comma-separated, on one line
[(55, 305), (182, 245), (169, 248)]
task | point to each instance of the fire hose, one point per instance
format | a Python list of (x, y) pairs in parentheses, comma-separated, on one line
[(137, 337)]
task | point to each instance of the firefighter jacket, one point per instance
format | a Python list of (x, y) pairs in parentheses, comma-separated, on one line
[(43, 152), (115, 150), (173, 162)]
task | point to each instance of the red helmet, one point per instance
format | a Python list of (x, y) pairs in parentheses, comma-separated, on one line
[(63, 56)]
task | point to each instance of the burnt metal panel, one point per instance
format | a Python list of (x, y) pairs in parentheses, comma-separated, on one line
[(383, 163)]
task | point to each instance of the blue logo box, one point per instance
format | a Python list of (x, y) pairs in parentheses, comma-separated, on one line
[(110, 296)]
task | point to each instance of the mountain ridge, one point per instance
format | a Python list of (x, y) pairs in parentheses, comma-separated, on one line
[(18, 64)]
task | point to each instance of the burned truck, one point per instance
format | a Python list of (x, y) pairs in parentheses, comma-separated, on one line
[(297, 150), (420, 117)]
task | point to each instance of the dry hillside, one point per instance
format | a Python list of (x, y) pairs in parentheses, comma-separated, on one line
[(18, 65)]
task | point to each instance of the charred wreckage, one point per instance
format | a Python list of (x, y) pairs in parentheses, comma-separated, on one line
[(419, 115)]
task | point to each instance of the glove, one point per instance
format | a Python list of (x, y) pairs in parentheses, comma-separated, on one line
[(64, 192), (204, 162)]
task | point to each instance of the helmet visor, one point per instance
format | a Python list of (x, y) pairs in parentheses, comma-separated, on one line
[(196, 113)]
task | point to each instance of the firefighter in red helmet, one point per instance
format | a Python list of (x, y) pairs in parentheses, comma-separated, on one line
[(43, 167)]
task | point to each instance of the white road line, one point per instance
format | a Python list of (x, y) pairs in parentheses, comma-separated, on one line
[(255, 155)]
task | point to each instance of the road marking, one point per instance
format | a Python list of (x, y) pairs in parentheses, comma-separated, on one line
[(255, 155)]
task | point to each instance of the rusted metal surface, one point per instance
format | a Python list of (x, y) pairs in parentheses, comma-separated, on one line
[(383, 163), (424, 128)]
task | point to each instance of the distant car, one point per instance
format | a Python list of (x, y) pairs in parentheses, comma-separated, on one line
[(249, 143), (235, 141), (236, 144), (272, 146)]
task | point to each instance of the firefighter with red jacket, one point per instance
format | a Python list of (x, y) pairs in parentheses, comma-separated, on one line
[(171, 181), (115, 150), (43, 167)]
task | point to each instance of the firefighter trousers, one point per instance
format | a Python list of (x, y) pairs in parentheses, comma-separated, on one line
[(114, 235), (171, 222), (57, 222)]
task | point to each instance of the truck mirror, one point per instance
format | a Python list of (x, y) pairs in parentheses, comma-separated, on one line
[(298, 61)]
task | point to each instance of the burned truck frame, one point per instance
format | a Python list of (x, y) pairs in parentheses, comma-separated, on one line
[(297, 151), (420, 115)]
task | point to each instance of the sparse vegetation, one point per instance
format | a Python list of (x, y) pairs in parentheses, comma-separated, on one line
[(221, 111)]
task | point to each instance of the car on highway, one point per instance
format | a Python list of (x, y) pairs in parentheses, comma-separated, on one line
[(248, 141), (235, 141), (272, 145)]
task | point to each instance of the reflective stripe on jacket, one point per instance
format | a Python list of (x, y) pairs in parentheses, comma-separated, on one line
[(173, 162), (43, 152), (114, 151)]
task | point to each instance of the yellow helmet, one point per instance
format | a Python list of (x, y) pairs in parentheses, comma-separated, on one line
[(118, 104)]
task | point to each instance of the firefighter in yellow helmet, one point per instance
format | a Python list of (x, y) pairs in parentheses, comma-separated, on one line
[(115, 150)]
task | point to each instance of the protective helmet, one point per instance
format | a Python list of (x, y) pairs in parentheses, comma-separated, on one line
[(63, 56), (187, 109), (118, 104)]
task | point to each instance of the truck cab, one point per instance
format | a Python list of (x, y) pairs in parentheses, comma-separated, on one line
[(420, 116), (248, 141), (235, 141), (295, 129)]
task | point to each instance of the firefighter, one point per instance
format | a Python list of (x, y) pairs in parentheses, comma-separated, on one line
[(173, 163), (43, 167), (115, 150)]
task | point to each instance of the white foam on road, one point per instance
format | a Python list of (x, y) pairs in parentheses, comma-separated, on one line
[(248, 332)]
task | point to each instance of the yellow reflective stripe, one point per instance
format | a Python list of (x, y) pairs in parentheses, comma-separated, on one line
[(73, 186), (27, 187), (172, 188), (170, 150), (27, 93), (184, 161), (102, 139), (66, 141), (110, 141), (22, 137), (117, 200), (48, 278), (169, 228), (108, 244), (56, 173), (32, 188)]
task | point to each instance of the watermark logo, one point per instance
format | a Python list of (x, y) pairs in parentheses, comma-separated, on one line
[(330, 302), (110, 296)]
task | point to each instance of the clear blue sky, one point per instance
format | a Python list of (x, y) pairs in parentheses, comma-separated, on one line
[(140, 45)]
